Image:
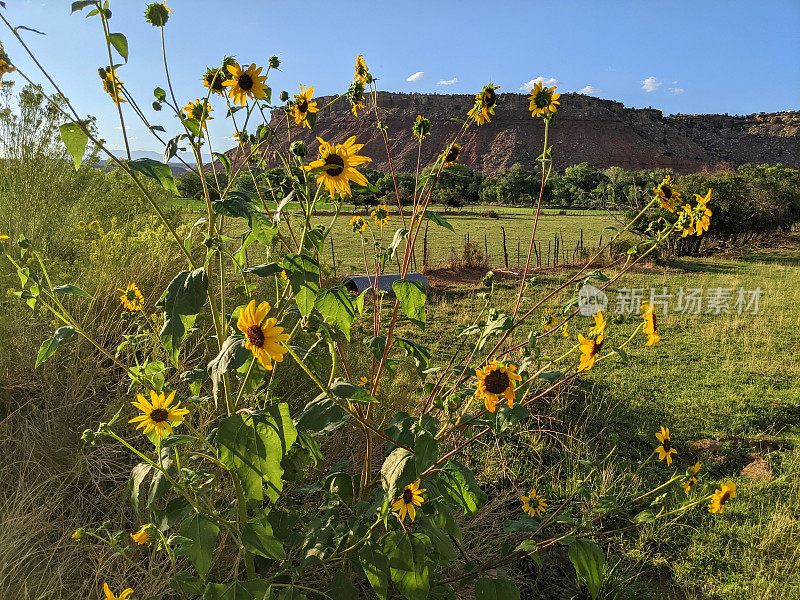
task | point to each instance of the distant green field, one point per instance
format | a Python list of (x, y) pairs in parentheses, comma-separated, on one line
[(485, 232)]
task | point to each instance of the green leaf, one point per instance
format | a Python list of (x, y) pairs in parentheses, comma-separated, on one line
[(321, 415), (75, 139), (187, 584), (71, 290), (265, 270), (303, 274), (232, 356), (376, 568), (439, 220), (496, 589), (226, 162), (252, 589), (138, 473), (531, 549), (506, 417), (264, 230), (420, 354), (524, 523), (342, 588), (198, 540), (398, 238), (341, 388), (412, 299), (257, 538), (120, 43), (337, 308), (589, 562), (50, 345), (426, 450), (409, 557), (457, 484), (397, 472), (155, 170), (81, 4), (252, 446), (291, 593), (182, 300)]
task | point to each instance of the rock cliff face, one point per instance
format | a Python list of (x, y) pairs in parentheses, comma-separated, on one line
[(601, 132)]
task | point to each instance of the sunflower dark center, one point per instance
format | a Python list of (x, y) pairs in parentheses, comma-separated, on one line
[(497, 382), (245, 82), (338, 161), (542, 99), (159, 415), (451, 155), (667, 192), (255, 335), (215, 82), (489, 98), (302, 106), (408, 497), (726, 495), (667, 446)]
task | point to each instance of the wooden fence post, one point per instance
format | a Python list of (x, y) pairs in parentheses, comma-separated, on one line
[(505, 252), (425, 247), (333, 255)]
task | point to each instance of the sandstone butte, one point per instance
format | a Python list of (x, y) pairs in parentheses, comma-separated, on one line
[(586, 129)]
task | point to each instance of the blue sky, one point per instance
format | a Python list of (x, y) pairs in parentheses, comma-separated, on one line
[(679, 56)]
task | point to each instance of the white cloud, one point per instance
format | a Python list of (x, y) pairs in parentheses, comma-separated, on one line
[(119, 127), (650, 84), (676, 90), (589, 90), (548, 81), (416, 76), (452, 81)]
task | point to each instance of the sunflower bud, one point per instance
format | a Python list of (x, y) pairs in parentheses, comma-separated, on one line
[(284, 96), (299, 149), (274, 62), (157, 14), (488, 279), (89, 436), (79, 534)]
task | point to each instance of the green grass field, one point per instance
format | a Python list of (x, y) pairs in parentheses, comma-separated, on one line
[(731, 378)]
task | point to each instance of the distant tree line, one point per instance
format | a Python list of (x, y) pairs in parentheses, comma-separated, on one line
[(751, 200)]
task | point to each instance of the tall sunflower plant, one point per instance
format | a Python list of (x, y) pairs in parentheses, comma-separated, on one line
[(232, 491)]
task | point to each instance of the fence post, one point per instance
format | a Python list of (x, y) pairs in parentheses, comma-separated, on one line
[(425, 247), (505, 252), (517, 253), (333, 255), (486, 248)]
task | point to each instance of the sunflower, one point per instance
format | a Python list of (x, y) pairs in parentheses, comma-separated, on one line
[(721, 497), (263, 338), (691, 473), (649, 317), (112, 84), (5, 64), (665, 450), (132, 298), (496, 381), (336, 164), (686, 223), (590, 350), (124, 595), (600, 323), (407, 503), (702, 214), (78, 534), (355, 94), (366, 383), (358, 224), (245, 83), (303, 106), (159, 413), (544, 100), (141, 537), (421, 127), (362, 71), (284, 276), (548, 319), (214, 78), (485, 102), (667, 194), (533, 504), (157, 14), (452, 155), (199, 110), (381, 215)]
